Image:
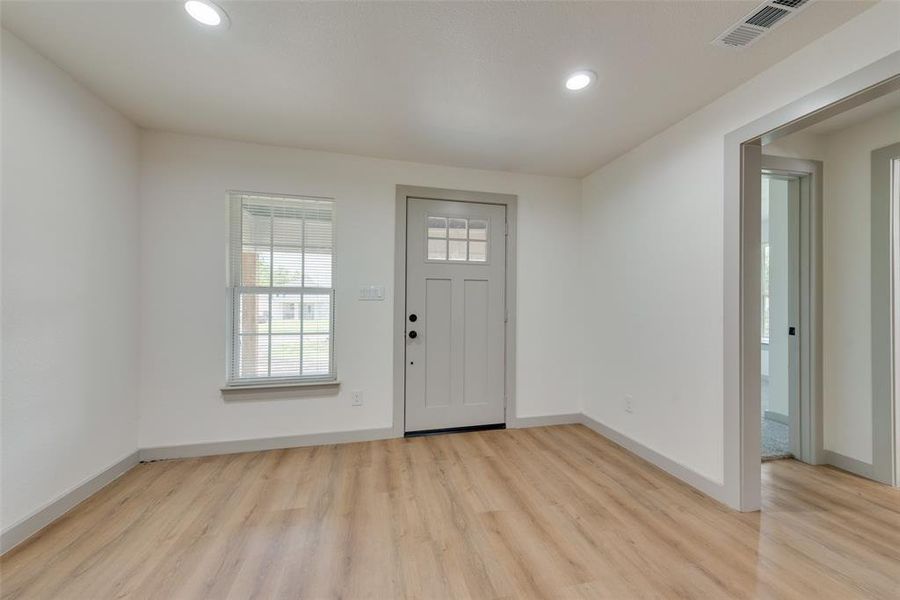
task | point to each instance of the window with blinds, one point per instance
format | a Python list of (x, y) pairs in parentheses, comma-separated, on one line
[(281, 289)]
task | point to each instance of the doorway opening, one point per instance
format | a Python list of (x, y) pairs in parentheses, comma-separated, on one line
[(862, 421), (790, 308), (780, 307)]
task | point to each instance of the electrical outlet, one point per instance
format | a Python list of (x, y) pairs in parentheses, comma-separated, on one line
[(356, 398), (629, 404)]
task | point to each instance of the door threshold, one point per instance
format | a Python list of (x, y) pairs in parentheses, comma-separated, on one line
[(426, 432), (777, 457)]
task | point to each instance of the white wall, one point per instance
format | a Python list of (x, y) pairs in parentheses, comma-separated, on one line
[(70, 303), (184, 237), (847, 316), (653, 256)]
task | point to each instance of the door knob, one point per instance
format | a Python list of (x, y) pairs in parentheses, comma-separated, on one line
[(413, 334), (413, 318)]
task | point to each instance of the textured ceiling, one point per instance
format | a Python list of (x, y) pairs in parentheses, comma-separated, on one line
[(466, 84)]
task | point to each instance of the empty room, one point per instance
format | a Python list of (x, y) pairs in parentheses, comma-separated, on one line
[(449, 299)]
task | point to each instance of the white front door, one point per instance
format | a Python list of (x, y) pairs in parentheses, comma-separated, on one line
[(455, 314)]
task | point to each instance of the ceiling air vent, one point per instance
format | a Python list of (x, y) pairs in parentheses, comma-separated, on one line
[(760, 22), (790, 3), (740, 36), (767, 16)]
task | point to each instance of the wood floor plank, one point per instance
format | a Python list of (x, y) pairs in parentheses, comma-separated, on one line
[(549, 512)]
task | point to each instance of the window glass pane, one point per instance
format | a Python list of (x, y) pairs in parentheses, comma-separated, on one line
[(287, 224), (437, 249), (318, 244), (478, 251), (285, 355), (437, 227), (256, 242), (457, 229), (253, 313), (318, 269), (477, 230), (286, 313), (288, 269), (457, 250), (316, 313), (255, 263), (253, 356), (316, 354)]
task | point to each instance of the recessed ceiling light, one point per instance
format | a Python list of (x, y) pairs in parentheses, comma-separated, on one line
[(580, 80), (206, 12)]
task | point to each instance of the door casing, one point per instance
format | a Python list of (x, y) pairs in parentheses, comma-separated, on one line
[(510, 201)]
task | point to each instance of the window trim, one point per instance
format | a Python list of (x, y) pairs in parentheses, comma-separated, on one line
[(234, 290)]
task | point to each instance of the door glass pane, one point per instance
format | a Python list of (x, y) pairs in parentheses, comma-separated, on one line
[(477, 230), (437, 249), (457, 250), (458, 229), (437, 227), (478, 251)]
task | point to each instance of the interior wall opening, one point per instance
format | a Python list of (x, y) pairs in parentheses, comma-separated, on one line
[(868, 279), (829, 398)]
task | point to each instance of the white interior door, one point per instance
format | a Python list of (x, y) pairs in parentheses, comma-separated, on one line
[(455, 314)]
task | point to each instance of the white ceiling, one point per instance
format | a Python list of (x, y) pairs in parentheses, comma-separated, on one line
[(466, 84)]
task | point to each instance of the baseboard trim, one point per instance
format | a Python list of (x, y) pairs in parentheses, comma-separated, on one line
[(259, 444), (544, 420), (777, 417), (711, 488), (845, 463), (53, 510)]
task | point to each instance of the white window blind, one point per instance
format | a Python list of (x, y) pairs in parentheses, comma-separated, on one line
[(281, 289)]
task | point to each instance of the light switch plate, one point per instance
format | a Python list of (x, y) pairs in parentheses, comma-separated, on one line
[(371, 292)]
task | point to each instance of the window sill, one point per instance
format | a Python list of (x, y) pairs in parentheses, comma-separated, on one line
[(228, 389)]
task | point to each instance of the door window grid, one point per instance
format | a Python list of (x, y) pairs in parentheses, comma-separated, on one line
[(456, 239)]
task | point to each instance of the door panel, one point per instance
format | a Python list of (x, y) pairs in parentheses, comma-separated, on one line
[(476, 342), (438, 343), (456, 307)]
